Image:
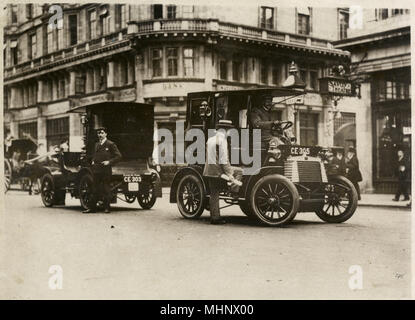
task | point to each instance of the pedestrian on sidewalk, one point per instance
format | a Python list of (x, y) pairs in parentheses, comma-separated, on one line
[(352, 170), (402, 172)]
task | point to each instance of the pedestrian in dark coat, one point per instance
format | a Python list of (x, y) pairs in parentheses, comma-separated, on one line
[(352, 171), (106, 154), (402, 171), (339, 162)]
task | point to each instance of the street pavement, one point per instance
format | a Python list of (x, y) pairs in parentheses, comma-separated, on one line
[(156, 254)]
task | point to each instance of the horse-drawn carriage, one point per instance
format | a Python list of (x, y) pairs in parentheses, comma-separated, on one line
[(292, 178), (16, 169)]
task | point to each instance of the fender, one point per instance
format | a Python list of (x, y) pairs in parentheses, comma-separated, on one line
[(195, 170), (252, 179), (157, 183)]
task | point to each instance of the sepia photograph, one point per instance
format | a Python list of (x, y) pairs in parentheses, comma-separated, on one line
[(221, 150)]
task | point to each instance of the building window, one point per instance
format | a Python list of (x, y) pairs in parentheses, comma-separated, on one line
[(14, 10), (171, 12), (124, 72), (267, 18), (385, 90), (158, 11), (223, 70), (102, 77), (50, 46), (382, 14), (308, 129), (303, 21), (92, 24), (57, 131), (157, 62), (61, 89), (29, 128), (275, 75), (29, 11), (172, 61), (73, 29), (188, 62), (188, 11), (343, 24), (121, 14), (31, 50), (264, 71), (13, 53), (80, 83), (237, 70)]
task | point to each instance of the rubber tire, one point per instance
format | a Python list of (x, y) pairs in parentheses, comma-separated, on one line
[(85, 178), (150, 204), (246, 208), (202, 191), (348, 213), (291, 188), (47, 178)]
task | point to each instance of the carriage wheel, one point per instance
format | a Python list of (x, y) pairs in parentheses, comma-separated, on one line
[(340, 201), (147, 197), (190, 197), (274, 200), (7, 175)]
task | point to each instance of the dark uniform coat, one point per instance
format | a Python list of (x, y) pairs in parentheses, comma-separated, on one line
[(108, 151), (261, 119)]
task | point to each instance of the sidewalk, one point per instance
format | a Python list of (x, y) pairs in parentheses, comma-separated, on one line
[(382, 200), (370, 200)]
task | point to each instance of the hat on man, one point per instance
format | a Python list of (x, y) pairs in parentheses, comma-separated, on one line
[(352, 149), (101, 129), (224, 124)]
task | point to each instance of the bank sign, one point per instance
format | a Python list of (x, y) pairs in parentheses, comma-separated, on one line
[(336, 86)]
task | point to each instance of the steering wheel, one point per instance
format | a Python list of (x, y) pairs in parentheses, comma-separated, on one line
[(278, 127)]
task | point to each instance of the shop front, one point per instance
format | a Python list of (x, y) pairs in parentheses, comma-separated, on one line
[(391, 109)]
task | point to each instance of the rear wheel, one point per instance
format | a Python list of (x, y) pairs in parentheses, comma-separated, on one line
[(86, 192), (7, 175), (274, 200), (147, 197), (340, 200), (191, 197), (47, 190)]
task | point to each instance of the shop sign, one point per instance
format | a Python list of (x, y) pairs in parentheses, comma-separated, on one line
[(336, 86), (406, 130), (289, 99)]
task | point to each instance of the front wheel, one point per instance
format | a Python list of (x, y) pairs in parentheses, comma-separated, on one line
[(147, 198), (191, 197), (7, 175), (274, 200), (340, 200)]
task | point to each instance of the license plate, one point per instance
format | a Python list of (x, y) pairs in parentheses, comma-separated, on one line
[(132, 186), (129, 179), (299, 151)]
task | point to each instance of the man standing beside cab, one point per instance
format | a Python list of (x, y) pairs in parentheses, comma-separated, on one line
[(217, 164), (106, 154)]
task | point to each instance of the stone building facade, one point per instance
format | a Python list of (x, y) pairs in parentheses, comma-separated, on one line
[(381, 62), (157, 54)]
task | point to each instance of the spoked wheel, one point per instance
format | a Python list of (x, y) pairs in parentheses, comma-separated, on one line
[(190, 197), (47, 190), (86, 189), (340, 200), (274, 200), (129, 198), (7, 175), (147, 197)]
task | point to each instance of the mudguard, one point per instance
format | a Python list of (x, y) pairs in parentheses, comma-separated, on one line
[(195, 170)]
